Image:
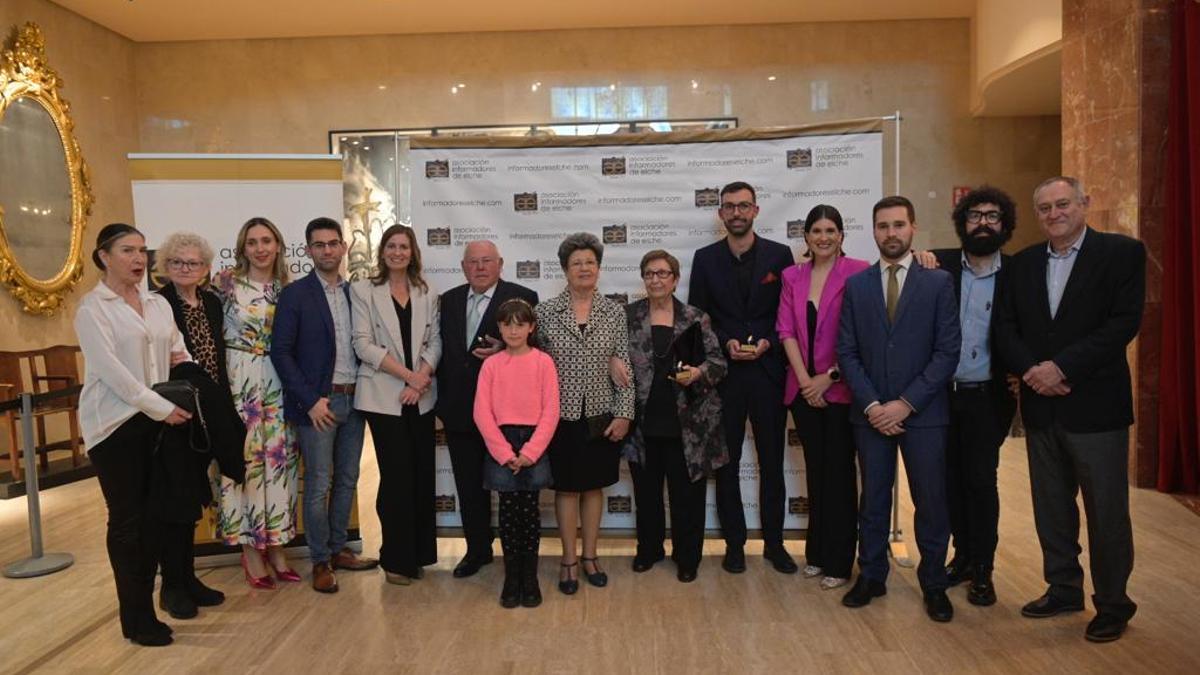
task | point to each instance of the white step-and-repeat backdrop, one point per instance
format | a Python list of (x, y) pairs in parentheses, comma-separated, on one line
[(635, 193)]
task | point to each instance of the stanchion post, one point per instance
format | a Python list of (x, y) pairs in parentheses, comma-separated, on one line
[(38, 563)]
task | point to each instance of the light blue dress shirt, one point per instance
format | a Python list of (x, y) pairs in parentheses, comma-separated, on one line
[(1058, 271), (975, 314)]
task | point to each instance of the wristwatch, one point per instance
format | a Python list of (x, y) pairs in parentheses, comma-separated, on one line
[(835, 374)]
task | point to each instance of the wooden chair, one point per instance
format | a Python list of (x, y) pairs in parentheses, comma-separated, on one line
[(59, 370)]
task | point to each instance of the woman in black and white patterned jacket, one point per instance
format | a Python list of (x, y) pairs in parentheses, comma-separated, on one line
[(583, 331)]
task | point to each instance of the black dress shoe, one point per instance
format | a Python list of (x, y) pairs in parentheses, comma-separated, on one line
[(734, 561), (1105, 628), (470, 564), (152, 639), (644, 563), (780, 560), (686, 575), (863, 591), (1048, 605), (981, 591), (598, 579), (177, 603), (568, 586), (938, 607), (959, 570), (204, 596)]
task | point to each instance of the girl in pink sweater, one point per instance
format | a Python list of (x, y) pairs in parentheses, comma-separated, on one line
[(516, 410)]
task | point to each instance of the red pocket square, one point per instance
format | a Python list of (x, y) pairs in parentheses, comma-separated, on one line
[(769, 279)]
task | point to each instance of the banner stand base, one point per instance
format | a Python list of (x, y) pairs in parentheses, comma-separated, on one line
[(48, 563), (899, 552)]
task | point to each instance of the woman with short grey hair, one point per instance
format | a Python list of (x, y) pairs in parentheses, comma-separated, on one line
[(583, 331)]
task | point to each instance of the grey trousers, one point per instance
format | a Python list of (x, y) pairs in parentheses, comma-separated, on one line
[(1062, 464)]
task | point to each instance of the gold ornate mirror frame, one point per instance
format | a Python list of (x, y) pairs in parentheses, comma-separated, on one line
[(24, 73)]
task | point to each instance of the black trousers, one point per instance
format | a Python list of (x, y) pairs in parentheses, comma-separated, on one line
[(664, 459), (467, 452), (404, 450), (747, 392), (832, 481), (1061, 465), (972, 457), (177, 556), (123, 462), (520, 522)]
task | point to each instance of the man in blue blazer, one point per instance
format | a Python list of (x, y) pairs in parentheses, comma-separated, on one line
[(737, 282), (898, 348), (312, 349)]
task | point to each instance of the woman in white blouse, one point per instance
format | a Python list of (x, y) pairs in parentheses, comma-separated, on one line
[(397, 340), (129, 342)]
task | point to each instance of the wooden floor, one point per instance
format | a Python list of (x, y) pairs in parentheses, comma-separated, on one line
[(758, 621)]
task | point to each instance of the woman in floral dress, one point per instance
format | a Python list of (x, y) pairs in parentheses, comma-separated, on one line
[(260, 514)]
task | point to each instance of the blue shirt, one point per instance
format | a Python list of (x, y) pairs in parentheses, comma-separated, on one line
[(975, 316), (1058, 271)]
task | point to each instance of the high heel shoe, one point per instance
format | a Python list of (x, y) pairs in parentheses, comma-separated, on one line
[(598, 579), (285, 574), (265, 583), (568, 586)]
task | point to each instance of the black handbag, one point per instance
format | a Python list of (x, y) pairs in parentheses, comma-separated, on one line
[(597, 425), (184, 395)]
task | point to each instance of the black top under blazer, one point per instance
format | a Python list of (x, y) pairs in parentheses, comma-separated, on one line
[(458, 370), (1099, 315)]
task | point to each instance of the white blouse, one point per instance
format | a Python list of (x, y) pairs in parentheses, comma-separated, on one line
[(123, 355)]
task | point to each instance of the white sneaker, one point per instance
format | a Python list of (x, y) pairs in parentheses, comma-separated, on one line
[(811, 571), (830, 583)]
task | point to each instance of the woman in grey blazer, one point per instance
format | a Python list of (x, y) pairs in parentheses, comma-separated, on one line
[(397, 341), (583, 332)]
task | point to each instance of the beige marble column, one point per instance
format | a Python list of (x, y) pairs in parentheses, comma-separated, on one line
[(1115, 68)]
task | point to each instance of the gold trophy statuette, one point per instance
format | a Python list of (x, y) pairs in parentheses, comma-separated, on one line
[(749, 346)]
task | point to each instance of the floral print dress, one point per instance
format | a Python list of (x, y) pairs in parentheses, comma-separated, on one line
[(262, 511)]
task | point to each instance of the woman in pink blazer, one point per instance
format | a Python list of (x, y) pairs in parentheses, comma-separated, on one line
[(810, 306)]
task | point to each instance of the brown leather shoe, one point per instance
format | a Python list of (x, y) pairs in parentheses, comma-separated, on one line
[(349, 560), (323, 579)]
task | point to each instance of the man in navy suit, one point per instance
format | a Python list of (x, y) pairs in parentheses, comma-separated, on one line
[(737, 282), (470, 335), (898, 348), (312, 349)]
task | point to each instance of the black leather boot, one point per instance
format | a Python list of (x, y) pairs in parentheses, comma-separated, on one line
[(510, 595), (531, 594)]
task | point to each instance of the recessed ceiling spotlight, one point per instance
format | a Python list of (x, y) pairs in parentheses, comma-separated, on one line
[(695, 84), (770, 78), (382, 87)]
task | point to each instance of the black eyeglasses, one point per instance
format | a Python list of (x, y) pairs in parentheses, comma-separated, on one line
[(974, 216), (660, 274), (184, 265), (740, 207)]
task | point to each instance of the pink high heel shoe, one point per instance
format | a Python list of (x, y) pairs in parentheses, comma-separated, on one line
[(285, 574), (265, 583)]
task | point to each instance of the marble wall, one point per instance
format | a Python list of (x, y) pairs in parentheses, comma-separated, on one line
[(97, 69), (285, 95), (1116, 59)]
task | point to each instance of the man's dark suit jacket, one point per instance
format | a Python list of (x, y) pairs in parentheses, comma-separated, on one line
[(1005, 404), (914, 357), (1098, 316), (713, 289), (304, 345), (458, 371)]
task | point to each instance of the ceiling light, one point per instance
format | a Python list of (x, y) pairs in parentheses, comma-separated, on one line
[(381, 87), (612, 87), (695, 84), (453, 90), (770, 78), (461, 85)]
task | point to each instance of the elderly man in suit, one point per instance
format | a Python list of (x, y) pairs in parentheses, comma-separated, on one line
[(1072, 306), (898, 347), (470, 335), (981, 403), (313, 352), (737, 281)]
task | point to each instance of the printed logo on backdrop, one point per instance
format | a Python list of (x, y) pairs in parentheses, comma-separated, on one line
[(437, 168), (525, 201), (620, 504), (616, 234), (445, 504), (800, 158), (612, 166), (439, 438), (437, 236), (707, 198), (795, 229), (529, 269), (793, 438), (798, 506), (153, 279)]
